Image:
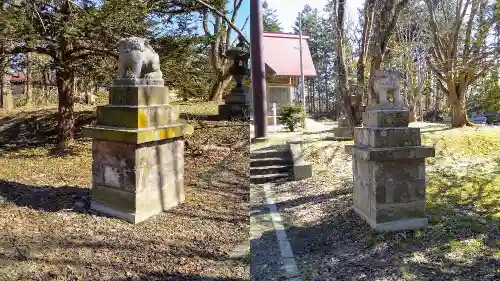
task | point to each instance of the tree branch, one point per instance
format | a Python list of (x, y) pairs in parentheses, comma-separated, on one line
[(236, 7), (225, 17), (39, 49)]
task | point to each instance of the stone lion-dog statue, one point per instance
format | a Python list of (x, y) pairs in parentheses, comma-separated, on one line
[(137, 60), (385, 80)]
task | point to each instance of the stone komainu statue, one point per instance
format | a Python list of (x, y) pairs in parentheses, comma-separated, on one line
[(385, 80), (138, 60)]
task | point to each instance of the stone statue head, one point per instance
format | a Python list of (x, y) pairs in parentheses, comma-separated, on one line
[(388, 81)]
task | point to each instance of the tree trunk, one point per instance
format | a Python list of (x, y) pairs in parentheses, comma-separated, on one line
[(412, 108), (458, 112), (347, 104), (219, 87), (28, 89), (66, 104), (365, 42)]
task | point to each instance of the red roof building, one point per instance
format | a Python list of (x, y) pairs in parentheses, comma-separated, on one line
[(281, 53), (17, 78)]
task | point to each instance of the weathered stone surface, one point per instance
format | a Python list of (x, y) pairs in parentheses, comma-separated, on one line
[(301, 169), (389, 171), (390, 154), (342, 132), (387, 137), (385, 81), (343, 123), (137, 117), (400, 211), (137, 136), (133, 181), (237, 96), (137, 60), (234, 111), (140, 82), (386, 118), (137, 96)]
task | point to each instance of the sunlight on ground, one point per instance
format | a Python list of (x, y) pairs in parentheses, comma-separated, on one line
[(463, 207), (48, 232)]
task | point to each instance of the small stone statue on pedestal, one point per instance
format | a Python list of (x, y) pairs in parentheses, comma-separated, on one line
[(138, 146), (388, 163), (385, 81)]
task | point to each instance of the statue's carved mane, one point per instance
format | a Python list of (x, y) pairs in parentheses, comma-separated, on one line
[(134, 43)]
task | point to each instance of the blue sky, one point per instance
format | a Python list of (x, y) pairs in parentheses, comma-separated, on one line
[(243, 14), (287, 10)]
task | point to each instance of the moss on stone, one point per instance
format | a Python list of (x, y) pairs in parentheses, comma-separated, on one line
[(138, 136)]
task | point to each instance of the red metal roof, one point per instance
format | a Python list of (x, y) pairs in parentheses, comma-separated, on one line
[(282, 54), (17, 78)]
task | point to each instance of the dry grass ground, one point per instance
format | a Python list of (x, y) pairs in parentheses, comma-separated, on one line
[(462, 241), (48, 232)]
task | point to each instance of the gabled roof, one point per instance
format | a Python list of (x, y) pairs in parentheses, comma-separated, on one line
[(15, 78), (281, 53)]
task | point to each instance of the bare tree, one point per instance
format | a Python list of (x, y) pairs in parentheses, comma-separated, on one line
[(343, 86), (368, 13), (389, 11), (222, 28), (459, 53), (411, 42)]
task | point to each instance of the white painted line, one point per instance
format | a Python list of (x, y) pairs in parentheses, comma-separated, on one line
[(287, 257)]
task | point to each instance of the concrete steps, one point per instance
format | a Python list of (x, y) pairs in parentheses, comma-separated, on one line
[(270, 166)]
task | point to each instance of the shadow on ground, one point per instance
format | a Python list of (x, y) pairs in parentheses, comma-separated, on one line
[(45, 198), (49, 233), (461, 242), (37, 128), (168, 276)]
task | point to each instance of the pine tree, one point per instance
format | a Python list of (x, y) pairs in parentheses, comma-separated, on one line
[(271, 22)]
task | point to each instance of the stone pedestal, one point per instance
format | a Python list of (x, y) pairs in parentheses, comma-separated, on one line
[(388, 163), (342, 131), (7, 102), (138, 153), (236, 105)]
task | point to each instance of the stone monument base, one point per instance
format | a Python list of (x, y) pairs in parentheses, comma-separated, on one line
[(407, 224), (234, 111), (342, 132), (389, 171), (136, 181), (236, 106), (8, 102), (137, 172)]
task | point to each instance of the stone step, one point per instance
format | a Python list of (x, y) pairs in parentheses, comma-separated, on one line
[(269, 154), (271, 161), (274, 169), (271, 178)]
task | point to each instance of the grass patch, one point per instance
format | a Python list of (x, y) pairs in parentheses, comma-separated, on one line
[(462, 241)]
